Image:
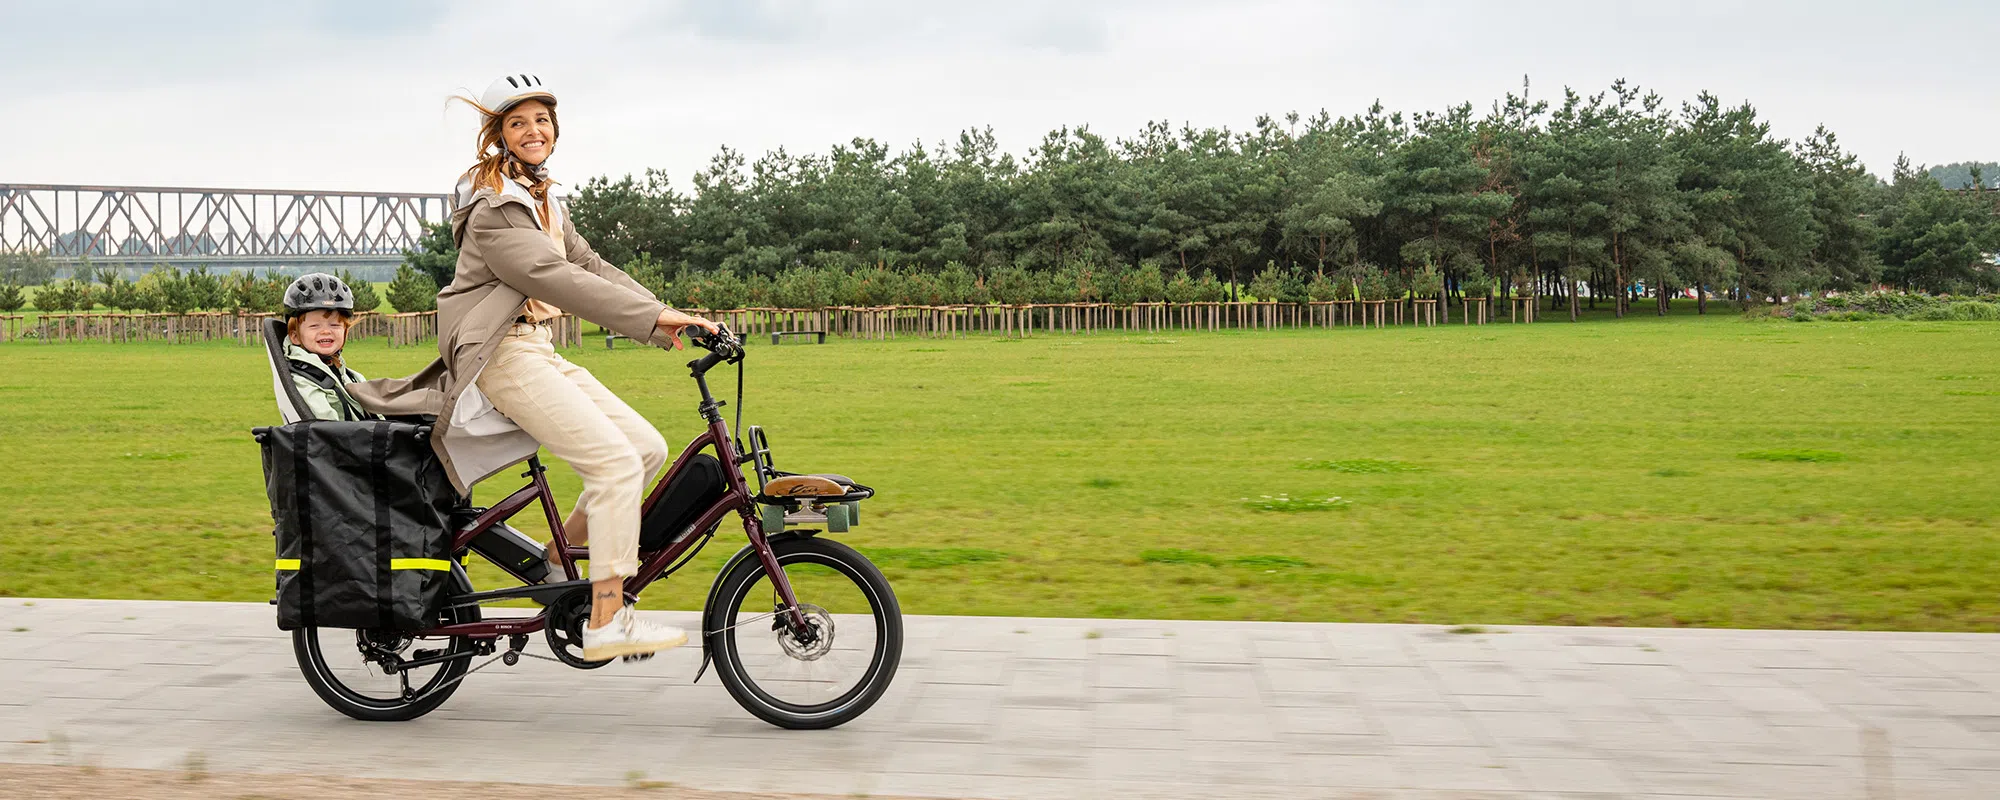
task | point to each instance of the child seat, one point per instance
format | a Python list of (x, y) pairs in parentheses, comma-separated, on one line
[(291, 405)]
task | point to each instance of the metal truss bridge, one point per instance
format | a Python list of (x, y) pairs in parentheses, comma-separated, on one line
[(142, 226)]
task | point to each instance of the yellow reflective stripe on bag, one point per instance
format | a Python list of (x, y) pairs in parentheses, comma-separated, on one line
[(439, 564)]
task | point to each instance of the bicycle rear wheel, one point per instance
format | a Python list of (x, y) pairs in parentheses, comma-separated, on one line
[(821, 677), (345, 667)]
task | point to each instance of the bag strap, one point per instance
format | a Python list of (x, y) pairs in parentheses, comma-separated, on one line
[(384, 576), (301, 480), (318, 376)]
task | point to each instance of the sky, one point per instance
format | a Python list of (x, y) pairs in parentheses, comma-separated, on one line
[(352, 94)]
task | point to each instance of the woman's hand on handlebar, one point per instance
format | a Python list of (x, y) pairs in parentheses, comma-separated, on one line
[(673, 322)]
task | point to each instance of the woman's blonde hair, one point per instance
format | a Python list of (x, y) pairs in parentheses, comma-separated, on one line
[(496, 163), (292, 332)]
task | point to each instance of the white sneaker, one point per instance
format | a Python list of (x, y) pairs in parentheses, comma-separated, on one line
[(627, 635)]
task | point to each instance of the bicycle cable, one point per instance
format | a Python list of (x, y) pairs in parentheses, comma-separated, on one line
[(737, 432)]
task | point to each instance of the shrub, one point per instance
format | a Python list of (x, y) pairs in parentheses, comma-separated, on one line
[(1375, 286), (1210, 290), (1961, 311), (806, 287), (1427, 283), (1292, 288), (1476, 282), (120, 294), (757, 290), (1182, 289), (1397, 287), (1079, 282), (1145, 283), (956, 284), (251, 293), (1268, 284), (1322, 288), (365, 298), (648, 272), (436, 255), (67, 295), (10, 297), (205, 289), (715, 291), (1013, 285), (876, 286), (412, 290)]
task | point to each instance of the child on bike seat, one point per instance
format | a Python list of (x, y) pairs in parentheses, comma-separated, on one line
[(319, 309)]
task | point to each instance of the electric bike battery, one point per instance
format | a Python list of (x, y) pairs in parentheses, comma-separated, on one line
[(692, 491)]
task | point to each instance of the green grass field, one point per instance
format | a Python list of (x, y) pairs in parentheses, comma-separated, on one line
[(1685, 471)]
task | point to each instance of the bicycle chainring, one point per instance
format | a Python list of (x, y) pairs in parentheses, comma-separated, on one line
[(564, 632)]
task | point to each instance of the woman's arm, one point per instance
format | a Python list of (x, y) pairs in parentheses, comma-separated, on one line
[(522, 256)]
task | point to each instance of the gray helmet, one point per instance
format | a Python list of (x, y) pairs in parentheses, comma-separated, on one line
[(318, 291)]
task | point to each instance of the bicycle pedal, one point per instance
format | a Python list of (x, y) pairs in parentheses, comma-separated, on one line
[(635, 657)]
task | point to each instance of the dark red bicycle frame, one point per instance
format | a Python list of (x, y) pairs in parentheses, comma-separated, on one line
[(651, 567)]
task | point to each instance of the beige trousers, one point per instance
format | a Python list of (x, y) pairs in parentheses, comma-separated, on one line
[(615, 451)]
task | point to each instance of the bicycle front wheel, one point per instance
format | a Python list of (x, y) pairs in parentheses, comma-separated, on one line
[(826, 674)]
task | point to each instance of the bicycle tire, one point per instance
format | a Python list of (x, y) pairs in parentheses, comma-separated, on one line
[(319, 674), (720, 634)]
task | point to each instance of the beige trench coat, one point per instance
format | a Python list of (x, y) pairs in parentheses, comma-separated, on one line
[(504, 258)]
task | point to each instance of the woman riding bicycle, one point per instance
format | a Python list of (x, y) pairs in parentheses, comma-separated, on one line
[(520, 265)]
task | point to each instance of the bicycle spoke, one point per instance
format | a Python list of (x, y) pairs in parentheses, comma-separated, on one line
[(816, 670)]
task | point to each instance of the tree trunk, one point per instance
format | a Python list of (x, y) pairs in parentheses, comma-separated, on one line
[(1617, 275)]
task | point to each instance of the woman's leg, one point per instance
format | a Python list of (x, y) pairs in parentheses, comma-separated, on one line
[(645, 438), (525, 381), (646, 442)]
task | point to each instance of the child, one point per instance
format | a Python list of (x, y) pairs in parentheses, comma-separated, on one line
[(319, 309)]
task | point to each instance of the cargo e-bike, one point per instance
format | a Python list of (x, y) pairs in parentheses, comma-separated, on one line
[(803, 631)]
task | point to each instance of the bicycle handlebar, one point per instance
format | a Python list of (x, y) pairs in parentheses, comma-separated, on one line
[(721, 346)]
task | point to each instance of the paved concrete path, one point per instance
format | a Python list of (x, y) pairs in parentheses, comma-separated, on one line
[(1051, 708)]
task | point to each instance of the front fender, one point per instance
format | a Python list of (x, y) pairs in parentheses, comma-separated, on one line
[(715, 589)]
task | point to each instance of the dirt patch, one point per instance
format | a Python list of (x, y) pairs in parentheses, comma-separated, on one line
[(36, 782)]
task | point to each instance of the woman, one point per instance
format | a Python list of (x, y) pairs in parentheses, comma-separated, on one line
[(520, 264)]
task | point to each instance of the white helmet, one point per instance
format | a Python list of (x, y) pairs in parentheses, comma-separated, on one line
[(510, 90)]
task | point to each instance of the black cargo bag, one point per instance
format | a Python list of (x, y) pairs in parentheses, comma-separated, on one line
[(362, 512)]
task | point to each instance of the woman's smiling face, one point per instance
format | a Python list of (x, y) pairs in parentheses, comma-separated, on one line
[(322, 333), (529, 129)]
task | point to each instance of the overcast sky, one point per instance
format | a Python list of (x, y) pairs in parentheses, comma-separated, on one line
[(350, 94)]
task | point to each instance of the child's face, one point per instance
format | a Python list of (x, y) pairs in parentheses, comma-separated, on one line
[(322, 333)]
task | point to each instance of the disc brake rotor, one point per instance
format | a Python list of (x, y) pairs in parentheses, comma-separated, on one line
[(818, 642)]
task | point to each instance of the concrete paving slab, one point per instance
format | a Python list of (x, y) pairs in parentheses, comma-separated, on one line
[(1048, 708)]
